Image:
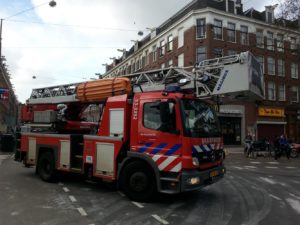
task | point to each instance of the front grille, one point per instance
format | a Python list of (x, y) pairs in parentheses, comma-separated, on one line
[(208, 156)]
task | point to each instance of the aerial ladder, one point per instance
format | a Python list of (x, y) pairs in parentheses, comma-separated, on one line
[(236, 77)]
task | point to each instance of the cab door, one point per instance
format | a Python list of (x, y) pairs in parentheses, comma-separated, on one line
[(159, 133)]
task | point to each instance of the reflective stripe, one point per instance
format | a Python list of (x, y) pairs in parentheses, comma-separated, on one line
[(174, 149), (145, 147), (158, 148), (165, 163)]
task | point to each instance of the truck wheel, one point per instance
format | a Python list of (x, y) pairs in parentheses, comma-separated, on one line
[(138, 182), (46, 167)]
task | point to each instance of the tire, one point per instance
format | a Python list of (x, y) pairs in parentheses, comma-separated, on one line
[(138, 182), (46, 167), (294, 153)]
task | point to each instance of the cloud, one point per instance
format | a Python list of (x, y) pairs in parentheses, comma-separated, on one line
[(70, 42)]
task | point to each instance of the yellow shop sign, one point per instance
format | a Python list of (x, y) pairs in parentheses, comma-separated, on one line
[(268, 111)]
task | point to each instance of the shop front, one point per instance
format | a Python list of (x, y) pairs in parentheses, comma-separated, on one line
[(231, 119), (271, 123)]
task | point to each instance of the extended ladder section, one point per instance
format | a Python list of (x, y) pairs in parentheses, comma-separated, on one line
[(237, 76)]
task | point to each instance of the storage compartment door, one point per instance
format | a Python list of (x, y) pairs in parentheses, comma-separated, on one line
[(31, 159), (105, 159), (64, 159)]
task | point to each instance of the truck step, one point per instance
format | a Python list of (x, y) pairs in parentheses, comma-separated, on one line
[(76, 169), (78, 156)]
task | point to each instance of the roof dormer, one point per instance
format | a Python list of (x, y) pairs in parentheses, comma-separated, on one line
[(269, 13)]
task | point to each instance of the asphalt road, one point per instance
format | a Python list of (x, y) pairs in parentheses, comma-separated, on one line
[(254, 191)]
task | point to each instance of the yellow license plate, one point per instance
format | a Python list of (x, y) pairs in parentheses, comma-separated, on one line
[(214, 173)]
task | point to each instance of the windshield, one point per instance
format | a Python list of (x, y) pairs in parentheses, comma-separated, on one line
[(199, 119)]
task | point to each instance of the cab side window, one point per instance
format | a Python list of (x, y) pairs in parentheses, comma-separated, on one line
[(156, 118)]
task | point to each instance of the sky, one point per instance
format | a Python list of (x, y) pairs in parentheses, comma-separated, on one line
[(70, 42)]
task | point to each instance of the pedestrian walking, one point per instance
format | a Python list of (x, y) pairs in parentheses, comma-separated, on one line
[(285, 146)]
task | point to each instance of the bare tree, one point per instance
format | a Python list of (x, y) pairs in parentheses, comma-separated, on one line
[(289, 9)]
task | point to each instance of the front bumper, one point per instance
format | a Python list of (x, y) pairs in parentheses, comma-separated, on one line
[(206, 177), (190, 180)]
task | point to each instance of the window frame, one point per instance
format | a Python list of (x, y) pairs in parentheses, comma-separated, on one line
[(273, 89), (218, 27), (245, 33), (273, 66), (232, 31), (259, 39), (294, 70), (281, 91), (200, 28)]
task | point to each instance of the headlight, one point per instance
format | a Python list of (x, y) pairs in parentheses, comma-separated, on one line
[(193, 181)]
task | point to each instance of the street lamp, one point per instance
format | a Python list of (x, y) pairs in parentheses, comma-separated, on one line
[(52, 3)]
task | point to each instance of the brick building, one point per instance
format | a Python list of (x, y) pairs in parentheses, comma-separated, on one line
[(211, 28), (8, 105)]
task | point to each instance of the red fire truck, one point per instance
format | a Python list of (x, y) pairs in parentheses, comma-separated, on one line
[(156, 131)]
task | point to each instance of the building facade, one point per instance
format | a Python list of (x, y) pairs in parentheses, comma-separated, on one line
[(207, 29), (8, 103)]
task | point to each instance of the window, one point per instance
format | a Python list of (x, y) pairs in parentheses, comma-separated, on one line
[(180, 37), (181, 60), (155, 120), (162, 48), (231, 32), (244, 35), (154, 52), (295, 94), (271, 90), (170, 63), (281, 67), (269, 17), (280, 42), (231, 6), (201, 28), (271, 66), (170, 43), (270, 41), (201, 54), (294, 70), (147, 57), (281, 92), (162, 66), (260, 59), (259, 39), (231, 52), (218, 34), (293, 45), (217, 52)]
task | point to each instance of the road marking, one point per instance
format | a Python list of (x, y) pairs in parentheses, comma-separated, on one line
[(72, 198), (120, 193), (160, 219), (250, 167), (12, 156), (270, 181), (295, 204), (291, 167), (271, 167), (275, 197), (138, 204), (255, 162), (295, 196), (66, 189), (82, 211), (60, 184), (273, 163), (237, 167)]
